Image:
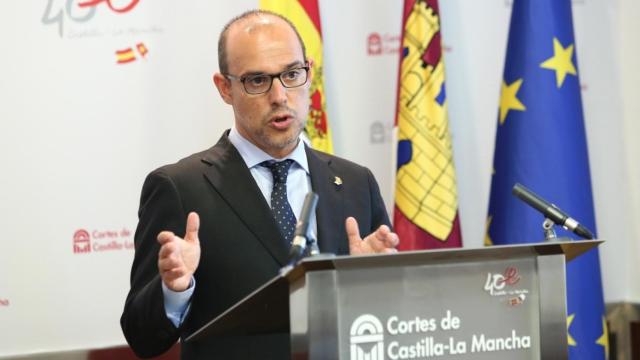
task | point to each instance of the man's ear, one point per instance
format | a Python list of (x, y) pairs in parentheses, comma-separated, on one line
[(224, 87)]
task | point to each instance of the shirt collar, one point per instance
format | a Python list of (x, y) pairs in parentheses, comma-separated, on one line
[(253, 155)]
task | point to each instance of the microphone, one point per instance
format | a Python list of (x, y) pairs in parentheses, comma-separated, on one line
[(299, 243), (551, 211)]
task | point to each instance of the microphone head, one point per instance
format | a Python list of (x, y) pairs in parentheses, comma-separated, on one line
[(582, 231), (519, 191), (550, 211)]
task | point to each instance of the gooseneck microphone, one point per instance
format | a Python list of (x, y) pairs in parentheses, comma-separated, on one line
[(299, 243), (551, 211)]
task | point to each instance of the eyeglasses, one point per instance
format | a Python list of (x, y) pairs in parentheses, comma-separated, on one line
[(261, 83)]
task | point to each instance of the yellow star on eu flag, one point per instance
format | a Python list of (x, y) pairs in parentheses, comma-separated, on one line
[(560, 62), (604, 339), (509, 99), (570, 338)]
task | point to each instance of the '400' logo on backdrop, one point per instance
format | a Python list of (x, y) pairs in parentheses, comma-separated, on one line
[(81, 11)]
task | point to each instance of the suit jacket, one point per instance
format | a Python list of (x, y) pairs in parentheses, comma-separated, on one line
[(241, 246)]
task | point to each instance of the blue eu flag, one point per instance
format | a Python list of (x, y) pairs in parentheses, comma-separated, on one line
[(540, 143)]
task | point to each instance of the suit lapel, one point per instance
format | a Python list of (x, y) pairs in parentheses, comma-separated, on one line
[(330, 210), (232, 180)]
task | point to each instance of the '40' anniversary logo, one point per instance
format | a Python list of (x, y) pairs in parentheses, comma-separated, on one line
[(81, 11), (496, 283)]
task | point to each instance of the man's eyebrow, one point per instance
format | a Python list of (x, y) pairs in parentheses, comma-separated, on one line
[(296, 63), (291, 65), (252, 73)]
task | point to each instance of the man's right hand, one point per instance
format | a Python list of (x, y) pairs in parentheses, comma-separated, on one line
[(178, 258)]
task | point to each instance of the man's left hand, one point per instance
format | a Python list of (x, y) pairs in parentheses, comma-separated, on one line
[(380, 241)]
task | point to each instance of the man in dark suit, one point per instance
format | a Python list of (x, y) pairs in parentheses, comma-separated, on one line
[(228, 199)]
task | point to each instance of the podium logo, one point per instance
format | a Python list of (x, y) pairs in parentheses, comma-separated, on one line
[(497, 282), (367, 337), (503, 287)]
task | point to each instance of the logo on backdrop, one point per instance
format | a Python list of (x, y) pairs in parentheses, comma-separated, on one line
[(78, 11), (85, 242), (380, 133), (79, 19), (81, 242), (382, 44), (503, 285), (128, 55), (367, 338), (4, 302)]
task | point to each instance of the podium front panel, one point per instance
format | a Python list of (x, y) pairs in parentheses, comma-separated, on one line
[(500, 309)]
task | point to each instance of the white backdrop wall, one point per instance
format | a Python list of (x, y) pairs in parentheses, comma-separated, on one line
[(623, 254), (80, 132)]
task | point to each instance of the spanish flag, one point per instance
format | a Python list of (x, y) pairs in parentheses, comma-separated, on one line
[(305, 15), (426, 199), (125, 56), (142, 49)]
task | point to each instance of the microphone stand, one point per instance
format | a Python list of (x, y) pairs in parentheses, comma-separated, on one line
[(550, 235), (314, 251), (549, 231), (304, 245)]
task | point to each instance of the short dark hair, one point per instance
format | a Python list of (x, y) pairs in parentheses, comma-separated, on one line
[(223, 64)]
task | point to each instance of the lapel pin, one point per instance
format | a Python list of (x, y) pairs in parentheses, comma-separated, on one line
[(337, 181)]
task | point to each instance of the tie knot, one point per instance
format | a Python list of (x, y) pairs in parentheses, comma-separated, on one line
[(279, 169)]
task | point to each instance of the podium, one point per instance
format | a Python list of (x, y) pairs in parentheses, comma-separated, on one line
[(499, 302)]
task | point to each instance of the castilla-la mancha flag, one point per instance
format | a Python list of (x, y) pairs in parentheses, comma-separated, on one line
[(305, 15), (426, 199)]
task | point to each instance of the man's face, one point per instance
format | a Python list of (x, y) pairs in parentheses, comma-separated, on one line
[(273, 120)]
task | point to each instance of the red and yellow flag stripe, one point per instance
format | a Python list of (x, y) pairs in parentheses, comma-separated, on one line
[(305, 15), (125, 56)]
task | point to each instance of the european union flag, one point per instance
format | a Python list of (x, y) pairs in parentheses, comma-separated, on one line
[(541, 143)]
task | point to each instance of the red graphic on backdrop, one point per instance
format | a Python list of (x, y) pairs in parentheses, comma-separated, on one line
[(4, 302), (81, 12), (125, 56), (81, 242), (142, 50), (128, 55), (382, 44), (123, 9), (98, 241), (374, 44)]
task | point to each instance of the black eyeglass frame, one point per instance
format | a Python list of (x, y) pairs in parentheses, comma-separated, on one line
[(244, 78)]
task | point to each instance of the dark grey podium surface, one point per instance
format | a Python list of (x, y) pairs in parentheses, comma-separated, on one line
[(499, 302)]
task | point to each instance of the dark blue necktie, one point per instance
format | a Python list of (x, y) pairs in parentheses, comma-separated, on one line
[(280, 206)]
